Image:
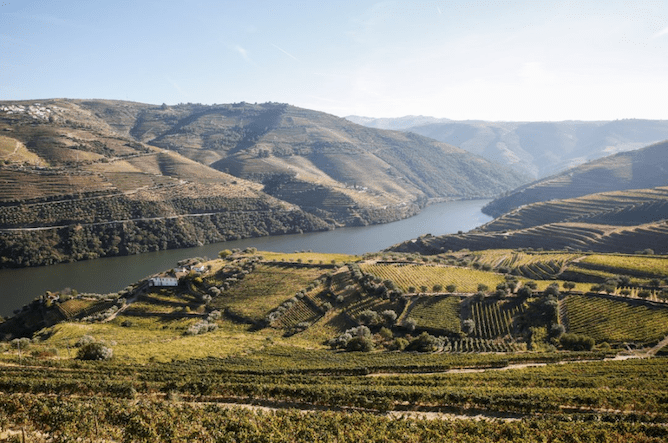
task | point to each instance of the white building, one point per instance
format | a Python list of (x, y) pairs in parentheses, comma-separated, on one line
[(163, 281)]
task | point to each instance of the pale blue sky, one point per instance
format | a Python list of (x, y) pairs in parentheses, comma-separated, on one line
[(491, 60)]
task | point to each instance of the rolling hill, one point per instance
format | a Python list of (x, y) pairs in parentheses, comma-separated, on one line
[(325, 164), (643, 168), (90, 178), (538, 148)]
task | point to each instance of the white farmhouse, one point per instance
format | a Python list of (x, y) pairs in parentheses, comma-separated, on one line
[(163, 281)]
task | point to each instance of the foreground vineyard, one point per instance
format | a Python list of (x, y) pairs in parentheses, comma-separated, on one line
[(162, 402), (280, 335)]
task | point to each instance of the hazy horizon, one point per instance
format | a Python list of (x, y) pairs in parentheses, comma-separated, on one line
[(491, 60)]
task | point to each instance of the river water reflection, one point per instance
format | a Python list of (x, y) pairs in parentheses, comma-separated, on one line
[(20, 286)]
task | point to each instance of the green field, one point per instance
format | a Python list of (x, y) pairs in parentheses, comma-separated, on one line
[(614, 321), (436, 313)]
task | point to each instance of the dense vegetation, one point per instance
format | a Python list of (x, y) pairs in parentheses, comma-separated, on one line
[(340, 341)]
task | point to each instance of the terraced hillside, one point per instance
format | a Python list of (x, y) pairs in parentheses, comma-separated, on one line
[(314, 158), (619, 208), (74, 189), (141, 173), (620, 221), (640, 169), (556, 236)]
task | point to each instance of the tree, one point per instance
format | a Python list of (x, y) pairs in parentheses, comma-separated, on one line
[(451, 287), (94, 351), (362, 344), (468, 326), (389, 317), (568, 285), (423, 343), (644, 293), (482, 287), (552, 289), (438, 288), (531, 284)]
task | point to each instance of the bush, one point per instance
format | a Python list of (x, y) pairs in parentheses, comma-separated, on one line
[(389, 317), (363, 344), (398, 344), (423, 343), (385, 333), (94, 351), (577, 342), (410, 324)]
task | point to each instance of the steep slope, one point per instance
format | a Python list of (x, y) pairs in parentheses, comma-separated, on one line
[(538, 148), (74, 188), (643, 168), (332, 168), (622, 221)]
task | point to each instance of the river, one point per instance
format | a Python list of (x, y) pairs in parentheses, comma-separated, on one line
[(20, 286)]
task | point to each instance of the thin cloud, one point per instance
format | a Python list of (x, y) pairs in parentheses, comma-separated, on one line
[(242, 52), (661, 33), (284, 51)]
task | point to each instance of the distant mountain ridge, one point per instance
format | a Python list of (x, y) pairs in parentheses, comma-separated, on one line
[(538, 148)]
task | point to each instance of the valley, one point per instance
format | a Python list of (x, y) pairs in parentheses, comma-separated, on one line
[(550, 318), (87, 179)]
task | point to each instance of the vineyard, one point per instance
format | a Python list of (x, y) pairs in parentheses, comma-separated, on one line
[(533, 265), (436, 313), (406, 276), (316, 395), (614, 321), (265, 288), (630, 265), (493, 319), (263, 334)]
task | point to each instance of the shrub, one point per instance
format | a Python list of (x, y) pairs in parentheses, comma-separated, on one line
[(423, 343), (94, 351), (398, 344), (644, 293), (410, 324), (84, 340), (363, 344), (389, 316), (577, 342), (385, 333)]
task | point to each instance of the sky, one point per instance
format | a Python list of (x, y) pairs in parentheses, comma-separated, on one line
[(485, 60)]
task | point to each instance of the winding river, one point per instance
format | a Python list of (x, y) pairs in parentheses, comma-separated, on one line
[(20, 286)]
